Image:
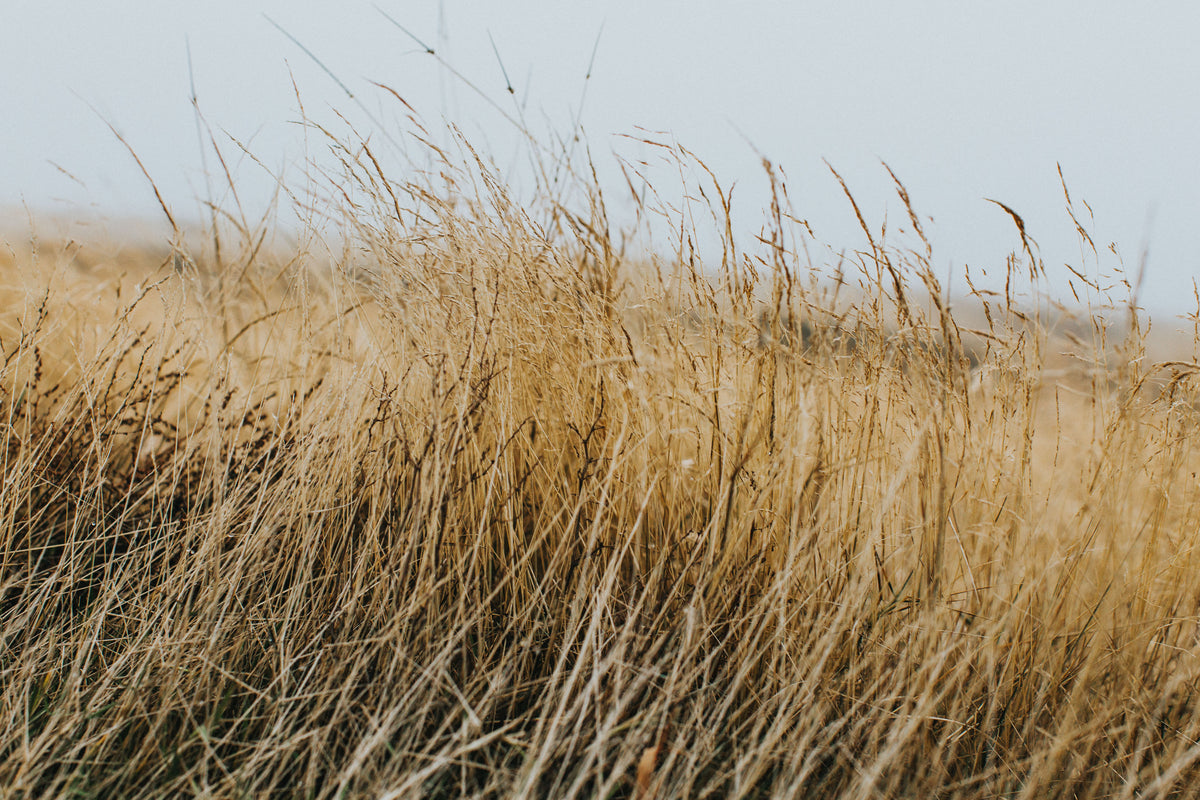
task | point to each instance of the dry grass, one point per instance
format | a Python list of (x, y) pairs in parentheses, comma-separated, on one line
[(471, 504)]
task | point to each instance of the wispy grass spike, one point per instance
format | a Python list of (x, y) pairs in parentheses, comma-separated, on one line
[(311, 55), (341, 84), (208, 187), (406, 31), (500, 61), (154, 186)]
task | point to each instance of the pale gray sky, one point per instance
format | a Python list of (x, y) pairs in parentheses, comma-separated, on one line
[(963, 100)]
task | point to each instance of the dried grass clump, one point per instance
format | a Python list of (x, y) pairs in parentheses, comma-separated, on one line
[(474, 504)]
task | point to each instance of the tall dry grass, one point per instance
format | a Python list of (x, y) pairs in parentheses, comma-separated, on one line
[(470, 503)]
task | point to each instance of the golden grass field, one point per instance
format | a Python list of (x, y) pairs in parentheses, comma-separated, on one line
[(470, 504)]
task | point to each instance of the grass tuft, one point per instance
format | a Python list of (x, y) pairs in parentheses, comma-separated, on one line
[(474, 503)]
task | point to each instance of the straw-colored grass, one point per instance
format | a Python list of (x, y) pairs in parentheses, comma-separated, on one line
[(472, 505)]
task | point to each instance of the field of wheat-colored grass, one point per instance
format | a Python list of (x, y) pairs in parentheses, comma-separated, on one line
[(461, 500)]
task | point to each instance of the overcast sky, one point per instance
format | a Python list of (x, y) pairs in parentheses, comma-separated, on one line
[(965, 101)]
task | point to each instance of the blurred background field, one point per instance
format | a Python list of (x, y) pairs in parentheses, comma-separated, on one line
[(453, 495)]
